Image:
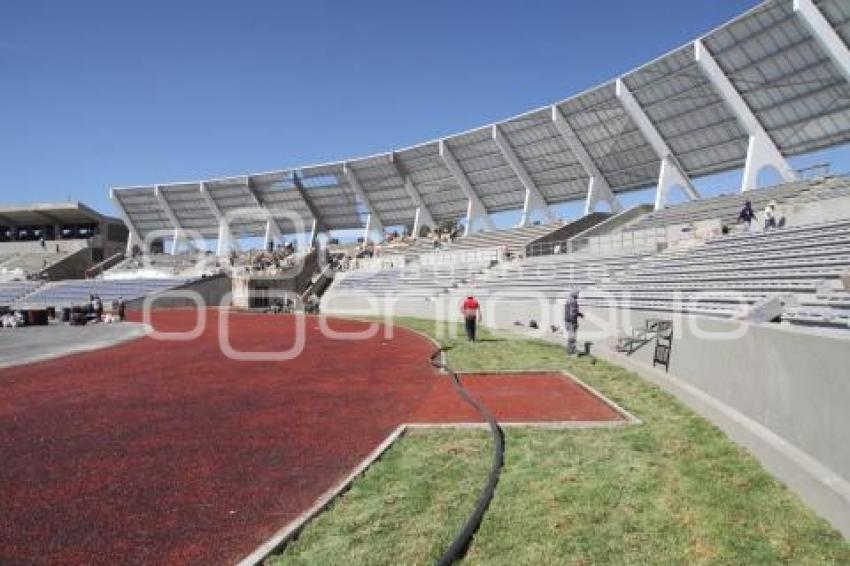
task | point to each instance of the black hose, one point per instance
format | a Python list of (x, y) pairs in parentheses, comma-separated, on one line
[(464, 537)]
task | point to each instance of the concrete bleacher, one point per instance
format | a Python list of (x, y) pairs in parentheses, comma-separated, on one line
[(729, 275), (753, 274), (164, 265), (831, 310), (32, 262), (12, 291), (23, 265), (75, 292), (514, 240), (724, 207), (823, 189), (726, 276), (415, 281), (552, 276), (27, 258)]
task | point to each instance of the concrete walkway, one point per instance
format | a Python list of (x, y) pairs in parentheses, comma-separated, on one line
[(36, 343)]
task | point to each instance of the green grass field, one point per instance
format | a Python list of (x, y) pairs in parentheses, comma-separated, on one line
[(673, 490)]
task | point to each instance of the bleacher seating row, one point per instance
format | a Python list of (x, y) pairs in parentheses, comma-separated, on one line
[(74, 292), (725, 207), (513, 239), (551, 276), (825, 310), (12, 291), (179, 265), (729, 274), (421, 281), (725, 276), (23, 264), (835, 187)]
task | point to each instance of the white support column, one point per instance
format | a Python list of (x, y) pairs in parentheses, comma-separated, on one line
[(225, 237), (671, 172), (369, 229), (132, 241), (598, 190), (824, 34), (224, 243), (133, 237), (761, 151), (534, 199), (269, 234), (179, 232), (373, 221), (475, 210), (314, 232), (597, 186), (318, 224), (669, 176), (272, 230), (422, 214), (418, 222)]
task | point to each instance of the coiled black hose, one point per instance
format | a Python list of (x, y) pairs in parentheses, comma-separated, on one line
[(464, 537)]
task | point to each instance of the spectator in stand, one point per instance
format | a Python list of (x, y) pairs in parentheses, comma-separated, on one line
[(571, 316), (747, 214), (471, 311), (770, 215)]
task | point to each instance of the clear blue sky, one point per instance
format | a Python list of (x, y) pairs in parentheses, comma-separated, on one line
[(109, 93)]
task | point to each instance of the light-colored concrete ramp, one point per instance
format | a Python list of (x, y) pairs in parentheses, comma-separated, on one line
[(30, 344)]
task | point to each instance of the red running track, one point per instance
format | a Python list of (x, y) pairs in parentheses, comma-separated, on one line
[(528, 397), (162, 452)]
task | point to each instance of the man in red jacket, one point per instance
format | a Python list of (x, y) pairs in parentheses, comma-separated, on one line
[(471, 311)]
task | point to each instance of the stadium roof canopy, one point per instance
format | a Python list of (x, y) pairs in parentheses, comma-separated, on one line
[(50, 213), (771, 83)]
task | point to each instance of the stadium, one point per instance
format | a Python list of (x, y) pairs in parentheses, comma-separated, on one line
[(362, 361)]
